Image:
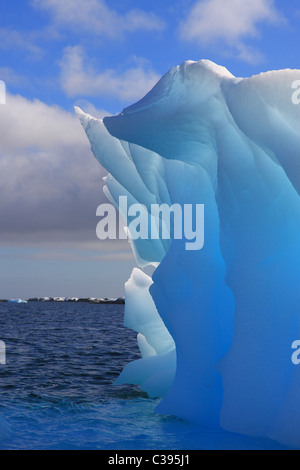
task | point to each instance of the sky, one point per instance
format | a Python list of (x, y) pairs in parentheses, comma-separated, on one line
[(101, 55)]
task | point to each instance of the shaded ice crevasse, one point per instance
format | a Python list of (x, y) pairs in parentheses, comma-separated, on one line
[(221, 320)]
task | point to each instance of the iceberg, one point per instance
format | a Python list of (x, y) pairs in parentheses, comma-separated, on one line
[(215, 326)]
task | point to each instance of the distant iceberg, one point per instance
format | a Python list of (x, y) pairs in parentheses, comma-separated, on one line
[(215, 326), (17, 301)]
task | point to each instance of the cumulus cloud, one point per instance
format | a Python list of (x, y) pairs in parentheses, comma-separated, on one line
[(50, 184), (229, 22), (78, 77), (95, 17)]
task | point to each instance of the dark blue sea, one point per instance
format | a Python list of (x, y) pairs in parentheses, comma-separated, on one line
[(57, 392)]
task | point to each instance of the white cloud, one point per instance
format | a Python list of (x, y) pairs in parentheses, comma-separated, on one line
[(94, 16), (229, 22), (50, 183), (78, 77)]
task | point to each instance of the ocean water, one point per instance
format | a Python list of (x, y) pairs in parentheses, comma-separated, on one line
[(57, 392)]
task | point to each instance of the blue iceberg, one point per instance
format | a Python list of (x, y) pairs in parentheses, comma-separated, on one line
[(215, 326)]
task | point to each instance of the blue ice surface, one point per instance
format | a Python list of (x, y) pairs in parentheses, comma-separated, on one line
[(203, 136)]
